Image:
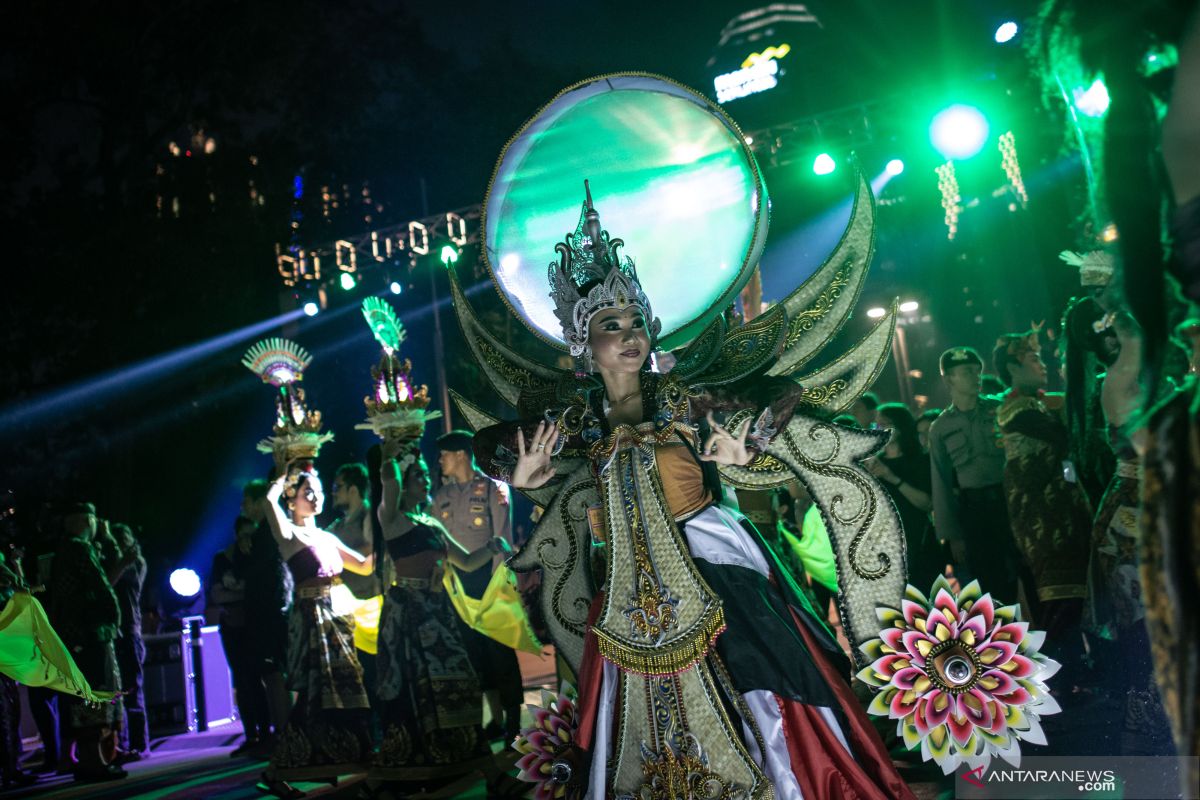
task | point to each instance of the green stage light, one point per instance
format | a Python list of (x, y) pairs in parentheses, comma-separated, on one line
[(396, 287), (449, 254), (894, 167), (959, 131), (347, 281), (824, 164), (1006, 32), (1093, 101)]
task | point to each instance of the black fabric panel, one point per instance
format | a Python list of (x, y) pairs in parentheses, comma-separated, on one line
[(761, 647), (795, 598)]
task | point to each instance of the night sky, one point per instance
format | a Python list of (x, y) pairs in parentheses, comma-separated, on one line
[(120, 387)]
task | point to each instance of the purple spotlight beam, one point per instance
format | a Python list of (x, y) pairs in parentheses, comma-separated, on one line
[(92, 391)]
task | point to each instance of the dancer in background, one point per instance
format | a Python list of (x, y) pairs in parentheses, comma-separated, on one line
[(1048, 509), (327, 733), (1115, 613), (428, 688)]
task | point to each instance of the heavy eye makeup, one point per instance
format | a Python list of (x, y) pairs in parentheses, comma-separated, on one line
[(613, 324)]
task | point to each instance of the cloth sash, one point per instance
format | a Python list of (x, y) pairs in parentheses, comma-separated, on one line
[(499, 614), (31, 652)]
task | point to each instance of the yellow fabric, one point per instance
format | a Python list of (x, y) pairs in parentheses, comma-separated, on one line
[(499, 614), (31, 652), (365, 613), (366, 624), (814, 549)]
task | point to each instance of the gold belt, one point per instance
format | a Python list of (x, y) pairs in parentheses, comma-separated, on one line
[(312, 592)]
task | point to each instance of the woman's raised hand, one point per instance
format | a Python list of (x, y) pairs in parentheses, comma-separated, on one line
[(723, 447), (394, 448), (533, 461)]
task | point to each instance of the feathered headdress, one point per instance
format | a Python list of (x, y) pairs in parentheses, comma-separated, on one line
[(394, 409), (1095, 268), (297, 431), (586, 256)]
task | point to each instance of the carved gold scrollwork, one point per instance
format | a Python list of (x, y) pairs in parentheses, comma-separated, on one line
[(671, 774), (571, 515), (819, 396), (805, 320), (861, 515), (507, 370)]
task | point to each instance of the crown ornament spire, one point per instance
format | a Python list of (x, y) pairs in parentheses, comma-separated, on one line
[(589, 258)]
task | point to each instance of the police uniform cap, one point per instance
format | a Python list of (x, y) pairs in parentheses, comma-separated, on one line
[(958, 356), (455, 440)]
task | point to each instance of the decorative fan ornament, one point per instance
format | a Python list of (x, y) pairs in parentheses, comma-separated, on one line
[(395, 410), (385, 325), (297, 430), (277, 361), (963, 678), (548, 758)]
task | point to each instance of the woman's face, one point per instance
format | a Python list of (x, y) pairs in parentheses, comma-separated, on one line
[(416, 485), (310, 498), (619, 340)]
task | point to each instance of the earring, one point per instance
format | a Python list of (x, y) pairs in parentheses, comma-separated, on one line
[(583, 364)]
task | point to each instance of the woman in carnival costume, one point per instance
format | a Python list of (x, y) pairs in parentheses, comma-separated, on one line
[(1103, 347), (702, 670), (428, 690), (327, 732)]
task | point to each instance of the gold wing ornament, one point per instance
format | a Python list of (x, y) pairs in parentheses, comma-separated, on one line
[(561, 546), (792, 332), (864, 528), (520, 382), (819, 308)]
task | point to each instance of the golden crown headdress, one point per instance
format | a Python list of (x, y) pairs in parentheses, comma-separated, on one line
[(586, 256)]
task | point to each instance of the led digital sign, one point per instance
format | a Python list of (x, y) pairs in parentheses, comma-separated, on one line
[(759, 73)]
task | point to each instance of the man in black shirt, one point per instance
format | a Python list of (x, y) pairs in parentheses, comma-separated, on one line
[(127, 576), (85, 613), (269, 595)]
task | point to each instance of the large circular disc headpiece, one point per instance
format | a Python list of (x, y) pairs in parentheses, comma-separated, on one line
[(671, 175)]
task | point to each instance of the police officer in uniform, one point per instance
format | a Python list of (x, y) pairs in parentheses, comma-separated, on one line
[(970, 509), (474, 508)]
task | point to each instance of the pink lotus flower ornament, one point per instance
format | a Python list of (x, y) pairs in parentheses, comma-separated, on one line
[(962, 677), (548, 758)]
